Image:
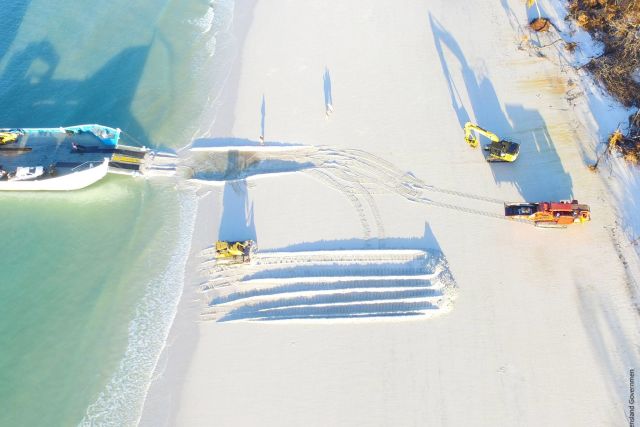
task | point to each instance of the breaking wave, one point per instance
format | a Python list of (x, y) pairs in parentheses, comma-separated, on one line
[(120, 403), (217, 19), (204, 23)]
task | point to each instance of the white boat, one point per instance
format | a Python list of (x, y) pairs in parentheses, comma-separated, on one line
[(35, 178)]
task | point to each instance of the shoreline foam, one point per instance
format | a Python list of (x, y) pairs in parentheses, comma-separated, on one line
[(120, 403)]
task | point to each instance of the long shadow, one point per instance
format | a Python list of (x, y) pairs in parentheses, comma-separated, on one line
[(324, 286), (202, 143), (354, 269), (237, 223), (361, 290), (206, 167), (263, 113), (599, 321), (539, 175), (37, 99), (512, 17), (217, 159), (230, 164), (427, 241), (341, 298), (354, 311), (525, 126), (323, 310), (484, 101), (11, 15), (328, 98)]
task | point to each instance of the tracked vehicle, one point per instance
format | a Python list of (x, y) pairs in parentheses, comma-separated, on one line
[(234, 252), (498, 150), (549, 214)]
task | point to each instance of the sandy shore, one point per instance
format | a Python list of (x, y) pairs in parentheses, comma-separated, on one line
[(542, 331)]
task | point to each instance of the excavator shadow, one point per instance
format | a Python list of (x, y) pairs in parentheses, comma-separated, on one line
[(538, 173)]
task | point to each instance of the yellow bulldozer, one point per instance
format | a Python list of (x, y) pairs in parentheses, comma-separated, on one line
[(499, 150), (234, 252)]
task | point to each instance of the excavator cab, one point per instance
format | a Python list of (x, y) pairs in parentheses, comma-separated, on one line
[(502, 151), (499, 150), (234, 252)]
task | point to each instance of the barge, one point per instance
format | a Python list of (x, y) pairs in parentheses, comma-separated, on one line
[(71, 158)]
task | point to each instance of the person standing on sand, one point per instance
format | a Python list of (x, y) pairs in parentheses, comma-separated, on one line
[(329, 109)]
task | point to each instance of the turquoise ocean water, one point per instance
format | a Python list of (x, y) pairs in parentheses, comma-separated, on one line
[(89, 280)]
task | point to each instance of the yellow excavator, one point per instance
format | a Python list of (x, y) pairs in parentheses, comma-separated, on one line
[(499, 150), (8, 137), (234, 252)]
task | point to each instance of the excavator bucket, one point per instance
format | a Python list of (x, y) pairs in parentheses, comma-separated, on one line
[(234, 252), (471, 140), (502, 151)]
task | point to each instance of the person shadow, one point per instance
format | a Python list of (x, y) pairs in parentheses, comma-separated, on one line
[(328, 98), (538, 173), (263, 113)]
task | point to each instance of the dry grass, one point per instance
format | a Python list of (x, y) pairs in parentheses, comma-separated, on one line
[(627, 145), (540, 25), (615, 23)]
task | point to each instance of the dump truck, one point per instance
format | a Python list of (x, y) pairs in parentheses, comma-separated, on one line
[(549, 214)]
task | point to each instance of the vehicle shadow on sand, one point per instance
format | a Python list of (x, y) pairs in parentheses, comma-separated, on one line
[(239, 160), (538, 173), (237, 222)]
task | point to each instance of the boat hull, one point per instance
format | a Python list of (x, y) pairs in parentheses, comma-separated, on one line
[(67, 182)]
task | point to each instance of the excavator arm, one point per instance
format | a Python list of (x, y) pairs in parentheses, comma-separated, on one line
[(499, 150), (472, 140)]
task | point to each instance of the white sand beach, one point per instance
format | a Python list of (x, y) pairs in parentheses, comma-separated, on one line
[(542, 325)]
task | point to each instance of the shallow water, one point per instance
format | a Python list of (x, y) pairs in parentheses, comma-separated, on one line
[(73, 268), (89, 280)]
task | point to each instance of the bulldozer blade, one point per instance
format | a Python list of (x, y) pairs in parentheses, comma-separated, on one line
[(545, 224)]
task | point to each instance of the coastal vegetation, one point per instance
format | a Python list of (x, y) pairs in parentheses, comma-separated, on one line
[(616, 25)]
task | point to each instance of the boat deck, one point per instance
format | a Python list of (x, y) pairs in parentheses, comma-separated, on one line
[(67, 152), (60, 151), (54, 149)]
